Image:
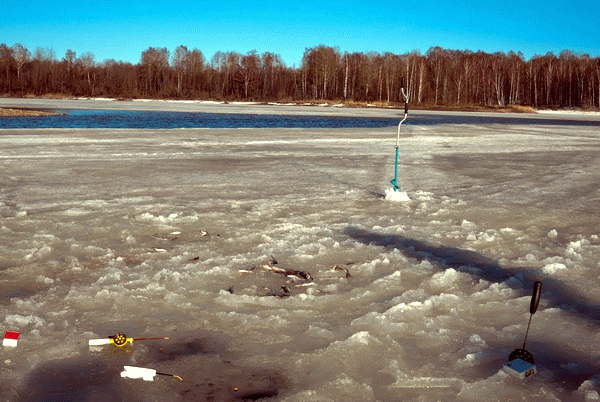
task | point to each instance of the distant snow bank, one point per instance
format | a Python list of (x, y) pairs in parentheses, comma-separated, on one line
[(570, 112)]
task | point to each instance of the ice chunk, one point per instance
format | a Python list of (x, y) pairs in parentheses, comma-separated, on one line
[(468, 225), (553, 268), (471, 359), (476, 339), (589, 389), (592, 396), (44, 279), (578, 244), (361, 338), (488, 236), (444, 279)]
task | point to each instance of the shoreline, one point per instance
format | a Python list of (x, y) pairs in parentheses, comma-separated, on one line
[(40, 106)]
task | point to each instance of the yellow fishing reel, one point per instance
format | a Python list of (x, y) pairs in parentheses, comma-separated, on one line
[(120, 339)]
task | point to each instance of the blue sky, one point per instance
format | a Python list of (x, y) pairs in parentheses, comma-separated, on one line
[(122, 30)]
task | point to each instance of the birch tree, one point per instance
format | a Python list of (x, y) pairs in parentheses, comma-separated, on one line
[(21, 55), (179, 63), (155, 61), (87, 63)]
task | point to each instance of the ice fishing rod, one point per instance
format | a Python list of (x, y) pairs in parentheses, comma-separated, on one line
[(394, 181), (120, 339), (144, 373)]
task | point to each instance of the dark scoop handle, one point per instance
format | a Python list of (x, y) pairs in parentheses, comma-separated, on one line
[(535, 298)]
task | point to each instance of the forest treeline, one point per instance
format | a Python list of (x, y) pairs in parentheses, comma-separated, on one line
[(439, 77)]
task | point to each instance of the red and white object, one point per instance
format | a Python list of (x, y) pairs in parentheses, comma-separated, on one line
[(10, 339)]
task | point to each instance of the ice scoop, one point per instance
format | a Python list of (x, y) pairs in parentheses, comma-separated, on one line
[(520, 362)]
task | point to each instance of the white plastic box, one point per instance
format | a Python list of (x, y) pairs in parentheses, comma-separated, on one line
[(520, 368)]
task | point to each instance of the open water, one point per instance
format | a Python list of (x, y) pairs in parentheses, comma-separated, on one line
[(74, 118)]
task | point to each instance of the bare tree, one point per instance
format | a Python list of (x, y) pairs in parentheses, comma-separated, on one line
[(368, 72), (346, 73), (379, 64), (232, 64), (422, 71), (437, 65), (457, 73), (87, 63), (321, 65), (356, 74), (327, 62), (70, 59), (392, 70), (549, 75), (582, 76), (179, 63), (21, 57), (415, 74), (597, 70), (515, 72), (155, 61), (6, 61), (271, 66), (248, 72), (441, 76), (498, 77), (195, 67), (533, 78), (44, 66)]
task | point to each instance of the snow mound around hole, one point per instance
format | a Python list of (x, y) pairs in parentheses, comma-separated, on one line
[(392, 195)]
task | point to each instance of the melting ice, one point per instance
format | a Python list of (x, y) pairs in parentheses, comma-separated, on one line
[(185, 233)]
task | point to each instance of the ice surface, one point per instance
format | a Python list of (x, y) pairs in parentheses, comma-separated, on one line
[(163, 233)]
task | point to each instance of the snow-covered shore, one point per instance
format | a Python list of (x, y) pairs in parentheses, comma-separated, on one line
[(590, 113)]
